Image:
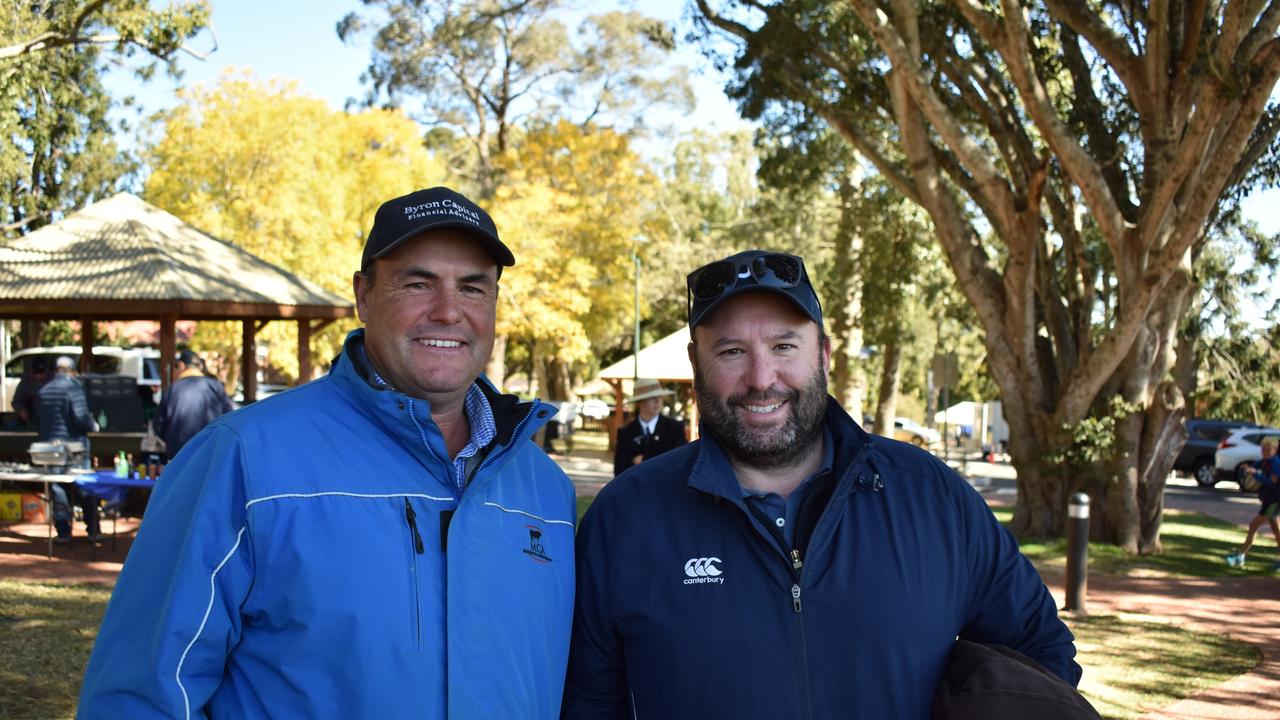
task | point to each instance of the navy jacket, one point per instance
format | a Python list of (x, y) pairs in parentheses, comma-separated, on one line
[(62, 411), (667, 435), (688, 608), (190, 404)]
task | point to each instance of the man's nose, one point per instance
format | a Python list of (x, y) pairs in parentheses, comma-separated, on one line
[(762, 372), (446, 308)]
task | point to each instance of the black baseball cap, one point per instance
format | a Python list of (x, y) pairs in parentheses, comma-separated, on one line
[(435, 208), (751, 271)]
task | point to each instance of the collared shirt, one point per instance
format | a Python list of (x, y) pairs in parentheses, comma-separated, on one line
[(785, 512), (479, 417), (648, 426)]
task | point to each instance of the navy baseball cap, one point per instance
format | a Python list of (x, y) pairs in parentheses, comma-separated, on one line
[(435, 208), (751, 271)]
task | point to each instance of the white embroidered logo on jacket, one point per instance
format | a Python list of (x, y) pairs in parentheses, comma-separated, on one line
[(703, 570)]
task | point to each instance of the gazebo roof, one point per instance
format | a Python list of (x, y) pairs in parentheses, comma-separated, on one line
[(666, 360), (122, 258)]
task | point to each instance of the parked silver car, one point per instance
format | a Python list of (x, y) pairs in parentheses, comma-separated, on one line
[(1236, 450)]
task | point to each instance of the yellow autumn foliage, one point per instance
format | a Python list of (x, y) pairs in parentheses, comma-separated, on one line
[(287, 178)]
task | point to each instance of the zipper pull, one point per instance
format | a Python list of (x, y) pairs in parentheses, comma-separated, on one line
[(796, 564), (795, 597), (412, 517)]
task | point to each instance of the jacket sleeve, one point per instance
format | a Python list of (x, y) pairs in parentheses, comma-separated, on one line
[(174, 616), (1009, 603), (596, 683), (80, 419)]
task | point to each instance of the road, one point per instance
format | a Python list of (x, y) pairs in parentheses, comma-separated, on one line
[(1181, 493)]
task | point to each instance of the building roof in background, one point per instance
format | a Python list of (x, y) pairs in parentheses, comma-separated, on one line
[(666, 360), (122, 257)]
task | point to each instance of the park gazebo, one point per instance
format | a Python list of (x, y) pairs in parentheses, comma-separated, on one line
[(123, 259), (666, 361)]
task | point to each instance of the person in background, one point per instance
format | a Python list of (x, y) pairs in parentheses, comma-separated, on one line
[(788, 564), (62, 413), (1267, 473), (651, 433), (193, 401), (383, 542), (24, 396)]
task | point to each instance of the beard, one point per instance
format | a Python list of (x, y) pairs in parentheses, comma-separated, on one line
[(766, 449)]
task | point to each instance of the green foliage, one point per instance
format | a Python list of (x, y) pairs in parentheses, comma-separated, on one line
[(1091, 440), (476, 65), (60, 152), (1240, 376)]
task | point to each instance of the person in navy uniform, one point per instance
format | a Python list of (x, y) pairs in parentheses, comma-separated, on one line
[(651, 433)]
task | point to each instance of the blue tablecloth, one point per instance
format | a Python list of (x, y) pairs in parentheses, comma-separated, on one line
[(104, 485)]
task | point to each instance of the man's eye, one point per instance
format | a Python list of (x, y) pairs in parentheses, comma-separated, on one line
[(785, 346), (730, 351)]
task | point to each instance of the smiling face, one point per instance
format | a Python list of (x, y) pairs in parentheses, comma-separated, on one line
[(429, 316), (760, 372)]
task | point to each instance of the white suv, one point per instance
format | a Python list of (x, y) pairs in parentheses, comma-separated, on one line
[(141, 364), (1241, 447)]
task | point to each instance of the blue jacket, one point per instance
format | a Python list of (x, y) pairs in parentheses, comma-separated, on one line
[(688, 608), (307, 556)]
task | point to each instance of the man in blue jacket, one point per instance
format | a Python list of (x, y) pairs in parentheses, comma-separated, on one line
[(788, 564), (384, 542)]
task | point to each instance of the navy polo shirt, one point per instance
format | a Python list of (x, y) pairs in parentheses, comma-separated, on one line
[(783, 513)]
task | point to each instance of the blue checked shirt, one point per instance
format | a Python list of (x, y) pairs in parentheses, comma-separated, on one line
[(479, 415)]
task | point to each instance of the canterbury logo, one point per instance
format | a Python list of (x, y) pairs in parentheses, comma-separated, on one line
[(703, 570)]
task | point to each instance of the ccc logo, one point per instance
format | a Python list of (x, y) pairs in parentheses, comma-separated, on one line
[(702, 567)]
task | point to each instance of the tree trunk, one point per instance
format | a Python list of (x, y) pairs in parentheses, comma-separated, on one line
[(496, 368), (848, 383), (887, 398)]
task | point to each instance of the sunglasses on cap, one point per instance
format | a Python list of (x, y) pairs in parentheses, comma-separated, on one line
[(717, 281)]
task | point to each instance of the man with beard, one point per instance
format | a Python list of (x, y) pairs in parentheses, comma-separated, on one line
[(788, 564)]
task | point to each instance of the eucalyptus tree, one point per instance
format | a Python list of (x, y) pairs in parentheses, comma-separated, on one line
[(60, 151), (1070, 154)]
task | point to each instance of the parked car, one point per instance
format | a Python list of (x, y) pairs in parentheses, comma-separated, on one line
[(1241, 447), (908, 430), (1203, 437), (595, 409), (141, 364)]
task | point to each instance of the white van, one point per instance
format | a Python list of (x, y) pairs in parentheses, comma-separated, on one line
[(141, 364)]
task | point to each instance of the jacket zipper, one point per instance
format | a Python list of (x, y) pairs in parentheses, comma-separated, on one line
[(411, 518)]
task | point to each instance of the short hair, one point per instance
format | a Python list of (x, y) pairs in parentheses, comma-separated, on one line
[(64, 362), (1270, 441)]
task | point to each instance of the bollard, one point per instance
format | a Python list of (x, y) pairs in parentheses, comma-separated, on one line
[(1077, 553)]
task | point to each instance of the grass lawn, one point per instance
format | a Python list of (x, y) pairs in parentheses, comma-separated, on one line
[(1194, 546), (46, 632), (1131, 668)]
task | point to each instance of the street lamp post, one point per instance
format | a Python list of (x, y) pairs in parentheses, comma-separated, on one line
[(635, 346)]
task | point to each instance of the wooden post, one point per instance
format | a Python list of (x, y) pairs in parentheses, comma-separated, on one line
[(168, 350), (304, 350), (249, 360), (86, 344)]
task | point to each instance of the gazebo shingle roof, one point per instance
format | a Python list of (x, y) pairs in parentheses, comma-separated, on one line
[(139, 258)]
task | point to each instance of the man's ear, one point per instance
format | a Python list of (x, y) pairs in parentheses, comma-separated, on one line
[(693, 355), (360, 286), (825, 343)]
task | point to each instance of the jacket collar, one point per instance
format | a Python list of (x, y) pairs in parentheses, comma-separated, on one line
[(712, 473), (515, 420)]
